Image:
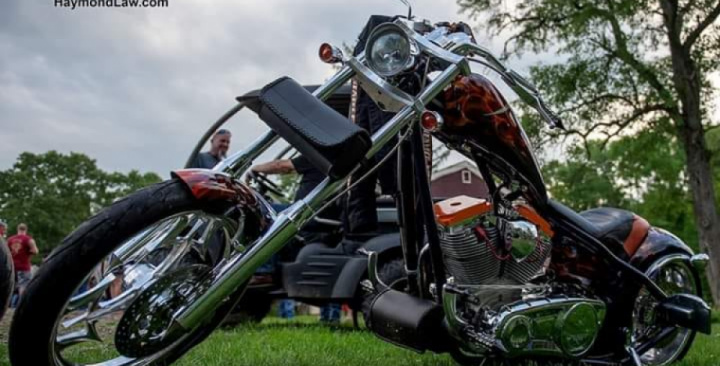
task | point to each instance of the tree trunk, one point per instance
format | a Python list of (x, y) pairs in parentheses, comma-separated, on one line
[(688, 85), (703, 192)]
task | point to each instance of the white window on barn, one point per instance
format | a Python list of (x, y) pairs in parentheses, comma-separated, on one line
[(466, 177)]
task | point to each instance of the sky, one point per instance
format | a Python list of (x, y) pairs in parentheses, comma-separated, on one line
[(136, 88)]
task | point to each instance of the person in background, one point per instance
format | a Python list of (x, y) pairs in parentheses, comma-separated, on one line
[(219, 146), (22, 248), (309, 178)]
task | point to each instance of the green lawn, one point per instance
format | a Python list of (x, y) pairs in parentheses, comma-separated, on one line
[(304, 342)]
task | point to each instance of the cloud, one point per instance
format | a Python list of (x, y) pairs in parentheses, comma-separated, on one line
[(136, 88)]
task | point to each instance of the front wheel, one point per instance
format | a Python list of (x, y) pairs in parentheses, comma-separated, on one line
[(106, 296)]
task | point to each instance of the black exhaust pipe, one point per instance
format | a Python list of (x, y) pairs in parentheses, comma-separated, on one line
[(408, 321)]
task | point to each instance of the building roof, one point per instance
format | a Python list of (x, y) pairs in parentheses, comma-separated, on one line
[(452, 169)]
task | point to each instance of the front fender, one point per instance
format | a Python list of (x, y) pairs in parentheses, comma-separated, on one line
[(209, 185), (206, 184)]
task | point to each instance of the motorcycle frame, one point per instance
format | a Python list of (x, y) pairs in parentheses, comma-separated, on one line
[(451, 50)]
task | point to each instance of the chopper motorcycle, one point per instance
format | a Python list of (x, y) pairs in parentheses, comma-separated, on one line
[(512, 279)]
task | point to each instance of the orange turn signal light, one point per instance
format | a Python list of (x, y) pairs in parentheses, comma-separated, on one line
[(329, 54), (431, 121)]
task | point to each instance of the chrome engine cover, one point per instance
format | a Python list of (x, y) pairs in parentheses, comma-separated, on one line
[(560, 326), (540, 326)]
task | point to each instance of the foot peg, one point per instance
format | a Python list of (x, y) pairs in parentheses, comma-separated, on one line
[(375, 280)]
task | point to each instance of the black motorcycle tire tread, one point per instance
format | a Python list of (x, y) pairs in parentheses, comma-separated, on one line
[(80, 251)]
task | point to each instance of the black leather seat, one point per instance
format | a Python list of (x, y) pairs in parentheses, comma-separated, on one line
[(332, 143), (614, 227)]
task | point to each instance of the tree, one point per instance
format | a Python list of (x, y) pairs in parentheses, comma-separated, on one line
[(53, 193), (632, 65)]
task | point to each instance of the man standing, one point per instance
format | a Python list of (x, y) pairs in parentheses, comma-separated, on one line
[(22, 248), (312, 232), (219, 146)]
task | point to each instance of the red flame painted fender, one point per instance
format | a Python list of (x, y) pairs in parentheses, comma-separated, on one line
[(210, 185)]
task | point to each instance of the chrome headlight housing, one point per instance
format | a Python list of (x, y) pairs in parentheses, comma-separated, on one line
[(389, 51)]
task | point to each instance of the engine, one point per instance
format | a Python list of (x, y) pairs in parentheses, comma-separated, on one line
[(496, 298), (481, 249)]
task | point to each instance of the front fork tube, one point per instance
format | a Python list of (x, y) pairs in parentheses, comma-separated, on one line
[(426, 210), (407, 208)]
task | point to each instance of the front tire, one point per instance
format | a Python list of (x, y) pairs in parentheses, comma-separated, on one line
[(85, 258)]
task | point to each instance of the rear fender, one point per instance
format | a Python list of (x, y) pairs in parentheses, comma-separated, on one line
[(658, 243)]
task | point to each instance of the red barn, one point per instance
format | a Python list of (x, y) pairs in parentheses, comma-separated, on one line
[(462, 178)]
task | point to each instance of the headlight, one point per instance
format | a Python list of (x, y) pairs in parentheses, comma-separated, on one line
[(389, 51)]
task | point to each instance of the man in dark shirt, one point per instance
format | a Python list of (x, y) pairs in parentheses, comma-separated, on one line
[(310, 177), (219, 146)]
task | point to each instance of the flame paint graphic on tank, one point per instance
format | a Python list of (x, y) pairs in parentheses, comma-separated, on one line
[(475, 110)]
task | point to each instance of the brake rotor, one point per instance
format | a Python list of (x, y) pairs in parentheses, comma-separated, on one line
[(144, 328)]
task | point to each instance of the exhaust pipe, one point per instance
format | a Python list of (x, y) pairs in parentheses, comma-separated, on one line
[(408, 321), (403, 319)]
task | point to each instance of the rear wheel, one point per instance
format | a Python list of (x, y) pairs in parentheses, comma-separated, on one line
[(675, 275), (107, 295)]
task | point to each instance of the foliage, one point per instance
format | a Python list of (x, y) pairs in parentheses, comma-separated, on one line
[(302, 341), (641, 173), (54, 192)]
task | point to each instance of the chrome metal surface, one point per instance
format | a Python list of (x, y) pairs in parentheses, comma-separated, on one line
[(469, 260), (377, 283), (375, 62), (522, 237), (700, 261), (527, 92), (560, 326), (674, 274), (388, 97), (85, 332)]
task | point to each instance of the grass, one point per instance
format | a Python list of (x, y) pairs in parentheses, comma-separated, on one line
[(303, 341)]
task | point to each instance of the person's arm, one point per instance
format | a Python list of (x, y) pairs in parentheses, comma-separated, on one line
[(33, 247), (283, 166)]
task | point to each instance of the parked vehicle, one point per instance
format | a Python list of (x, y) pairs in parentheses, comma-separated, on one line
[(513, 278)]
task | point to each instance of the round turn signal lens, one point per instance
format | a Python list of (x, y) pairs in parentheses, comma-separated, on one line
[(328, 54), (431, 120)]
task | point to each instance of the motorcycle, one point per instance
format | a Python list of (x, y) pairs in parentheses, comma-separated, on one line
[(326, 266), (517, 277)]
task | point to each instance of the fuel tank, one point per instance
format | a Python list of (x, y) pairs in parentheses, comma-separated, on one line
[(474, 111)]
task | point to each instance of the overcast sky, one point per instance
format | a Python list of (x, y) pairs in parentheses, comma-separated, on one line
[(135, 88)]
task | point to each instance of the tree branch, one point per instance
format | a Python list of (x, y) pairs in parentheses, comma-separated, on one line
[(697, 32), (624, 54)]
